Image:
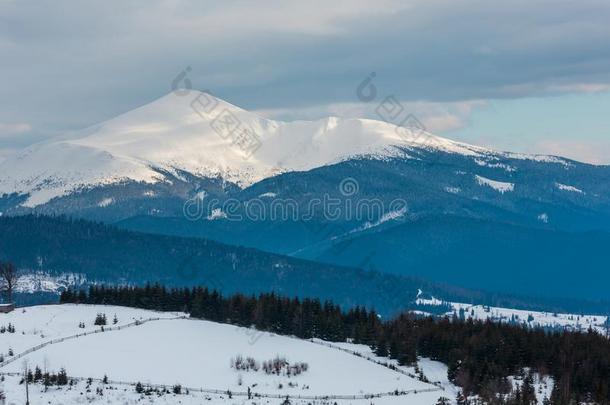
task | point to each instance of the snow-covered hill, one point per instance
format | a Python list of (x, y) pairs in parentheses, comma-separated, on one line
[(197, 355), (534, 319), (204, 136), (39, 324)]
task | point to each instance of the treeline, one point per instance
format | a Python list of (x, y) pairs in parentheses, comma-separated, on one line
[(480, 355), (306, 318), (96, 251)]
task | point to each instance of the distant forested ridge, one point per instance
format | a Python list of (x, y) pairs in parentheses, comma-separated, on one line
[(480, 355), (104, 253)]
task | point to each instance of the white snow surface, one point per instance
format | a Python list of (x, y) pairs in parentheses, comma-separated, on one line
[(105, 202), (193, 353), (565, 187), (434, 371), (495, 165), (181, 133), (565, 321), (39, 281), (500, 186), (543, 385), (122, 394), (38, 324), (217, 213), (389, 216)]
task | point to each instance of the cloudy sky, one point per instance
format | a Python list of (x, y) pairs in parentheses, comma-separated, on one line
[(520, 75)]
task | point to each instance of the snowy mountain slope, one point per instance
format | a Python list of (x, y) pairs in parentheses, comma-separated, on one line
[(143, 169), (198, 354), (177, 134), (149, 161), (535, 319)]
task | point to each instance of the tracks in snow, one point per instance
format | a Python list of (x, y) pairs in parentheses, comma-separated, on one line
[(78, 335), (16, 357)]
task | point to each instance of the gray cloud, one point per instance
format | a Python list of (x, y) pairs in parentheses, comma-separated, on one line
[(12, 129), (66, 64)]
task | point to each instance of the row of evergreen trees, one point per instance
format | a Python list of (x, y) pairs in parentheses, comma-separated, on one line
[(480, 355), (47, 378), (305, 318)]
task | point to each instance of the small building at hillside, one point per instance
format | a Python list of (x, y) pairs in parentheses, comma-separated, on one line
[(6, 308)]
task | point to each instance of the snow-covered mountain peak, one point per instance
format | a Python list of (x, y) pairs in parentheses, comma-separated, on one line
[(206, 136)]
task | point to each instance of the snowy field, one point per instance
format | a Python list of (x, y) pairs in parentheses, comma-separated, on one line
[(571, 322), (82, 393), (434, 371), (39, 324), (195, 354)]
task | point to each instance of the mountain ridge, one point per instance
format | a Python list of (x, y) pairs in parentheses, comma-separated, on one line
[(432, 177), (178, 134), (91, 253)]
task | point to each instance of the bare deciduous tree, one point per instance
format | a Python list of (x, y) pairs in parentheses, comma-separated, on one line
[(8, 278)]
